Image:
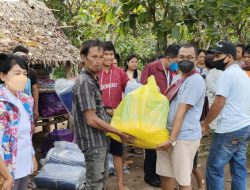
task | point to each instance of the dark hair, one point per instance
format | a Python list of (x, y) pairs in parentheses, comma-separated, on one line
[(22, 56), (7, 61), (157, 57), (3, 56), (209, 61), (190, 46), (22, 49), (108, 46), (118, 58), (89, 44), (153, 58), (202, 51), (247, 49), (135, 75), (240, 45), (172, 50)]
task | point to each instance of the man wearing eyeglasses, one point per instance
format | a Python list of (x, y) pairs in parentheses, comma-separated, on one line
[(232, 103), (175, 157)]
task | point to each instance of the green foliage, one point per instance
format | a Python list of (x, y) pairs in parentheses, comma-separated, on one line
[(65, 10), (59, 73), (97, 20), (144, 46), (87, 22), (201, 22), (144, 27)]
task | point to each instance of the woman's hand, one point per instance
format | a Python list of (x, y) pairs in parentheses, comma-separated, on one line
[(36, 114), (35, 164), (8, 179), (7, 183)]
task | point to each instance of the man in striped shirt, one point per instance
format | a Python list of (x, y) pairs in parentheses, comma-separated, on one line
[(90, 119)]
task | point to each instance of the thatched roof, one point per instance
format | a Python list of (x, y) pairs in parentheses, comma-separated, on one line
[(30, 23)]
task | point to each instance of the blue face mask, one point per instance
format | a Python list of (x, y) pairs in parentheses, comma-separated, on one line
[(173, 66)]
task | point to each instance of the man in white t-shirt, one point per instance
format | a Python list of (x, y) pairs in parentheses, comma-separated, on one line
[(229, 144)]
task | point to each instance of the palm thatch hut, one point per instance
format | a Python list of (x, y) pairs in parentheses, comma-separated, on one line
[(30, 23)]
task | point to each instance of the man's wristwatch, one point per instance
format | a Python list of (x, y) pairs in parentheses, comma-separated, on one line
[(173, 143)]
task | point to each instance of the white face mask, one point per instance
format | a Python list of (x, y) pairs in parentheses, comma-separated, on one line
[(16, 83)]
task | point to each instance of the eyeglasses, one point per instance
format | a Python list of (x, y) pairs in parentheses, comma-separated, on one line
[(189, 58)]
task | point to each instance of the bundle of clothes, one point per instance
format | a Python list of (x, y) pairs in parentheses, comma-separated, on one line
[(64, 168)]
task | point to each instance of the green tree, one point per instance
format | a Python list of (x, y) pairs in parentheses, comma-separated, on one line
[(95, 20), (144, 27), (201, 22)]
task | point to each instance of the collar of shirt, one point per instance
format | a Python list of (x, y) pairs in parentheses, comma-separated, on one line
[(232, 65), (160, 66), (109, 71), (13, 99), (84, 71)]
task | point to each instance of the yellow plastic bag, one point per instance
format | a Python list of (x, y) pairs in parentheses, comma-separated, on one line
[(143, 114)]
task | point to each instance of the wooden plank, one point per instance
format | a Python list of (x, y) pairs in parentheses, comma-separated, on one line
[(42, 121)]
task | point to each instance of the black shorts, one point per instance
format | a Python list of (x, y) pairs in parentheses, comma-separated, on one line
[(116, 148), (195, 161)]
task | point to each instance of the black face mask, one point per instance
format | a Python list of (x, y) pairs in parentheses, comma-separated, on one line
[(186, 66), (220, 65)]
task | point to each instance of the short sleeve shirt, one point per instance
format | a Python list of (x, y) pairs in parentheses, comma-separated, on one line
[(234, 85), (192, 92), (87, 96)]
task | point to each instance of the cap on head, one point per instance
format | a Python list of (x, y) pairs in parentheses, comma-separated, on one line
[(224, 47)]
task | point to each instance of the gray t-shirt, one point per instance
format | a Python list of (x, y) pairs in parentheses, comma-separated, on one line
[(191, 92)]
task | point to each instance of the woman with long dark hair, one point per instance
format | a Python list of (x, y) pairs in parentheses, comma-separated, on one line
[(131, 64)]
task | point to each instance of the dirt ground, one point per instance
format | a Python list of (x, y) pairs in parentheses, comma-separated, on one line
[(134, 179)]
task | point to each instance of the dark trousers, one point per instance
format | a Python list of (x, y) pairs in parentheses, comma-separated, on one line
[(150, 165), (21, 183)]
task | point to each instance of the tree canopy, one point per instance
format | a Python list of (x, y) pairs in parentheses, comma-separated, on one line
[(144, 27)]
